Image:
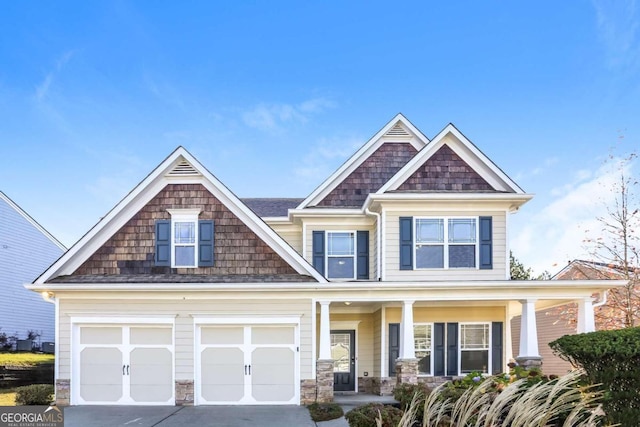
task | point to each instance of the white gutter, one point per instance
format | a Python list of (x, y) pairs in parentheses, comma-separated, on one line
[(602, 302), (378, 242)]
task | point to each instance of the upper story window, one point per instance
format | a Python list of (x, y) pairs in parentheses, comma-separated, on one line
[(184, 241), (474, 347), (341, 255), (446, 242), (341, 251)]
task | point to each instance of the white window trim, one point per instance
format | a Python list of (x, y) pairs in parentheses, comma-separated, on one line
[(446, 243), (355, 254), (430, 324), (488, 349), (184, 215)]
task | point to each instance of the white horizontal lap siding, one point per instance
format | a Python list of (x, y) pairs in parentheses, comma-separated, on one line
[(25, 252), (392, 249), (292, 234), (184, 330)]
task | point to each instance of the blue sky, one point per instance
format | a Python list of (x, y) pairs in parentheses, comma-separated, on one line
[(273, 96)]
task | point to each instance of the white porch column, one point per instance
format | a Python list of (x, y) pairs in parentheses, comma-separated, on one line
[(325, 331), (528, 331), (586, 318), (407, 344)]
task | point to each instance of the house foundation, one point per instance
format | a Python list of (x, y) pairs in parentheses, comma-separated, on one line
[(184, 393), (63, 388), (407, 371)]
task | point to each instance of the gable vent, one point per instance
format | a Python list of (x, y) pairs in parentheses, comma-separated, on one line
[(398, 130), (183, 168)]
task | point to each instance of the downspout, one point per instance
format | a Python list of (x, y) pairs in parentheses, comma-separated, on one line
[(378, 243), (603, 300), (49, 297)]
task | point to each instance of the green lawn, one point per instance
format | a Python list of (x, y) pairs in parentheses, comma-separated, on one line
[(24, 359), (7, 397)]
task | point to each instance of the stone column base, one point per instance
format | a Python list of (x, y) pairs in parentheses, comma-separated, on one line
[(324, 381), (63, 392), (307, 392), (529, 362), (184, 392), (407, 371)]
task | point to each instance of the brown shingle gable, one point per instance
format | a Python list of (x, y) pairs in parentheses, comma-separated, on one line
[(372, 174), (445, 171), (238, 250)]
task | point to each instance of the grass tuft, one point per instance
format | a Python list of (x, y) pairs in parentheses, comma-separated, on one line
[(325, 411)]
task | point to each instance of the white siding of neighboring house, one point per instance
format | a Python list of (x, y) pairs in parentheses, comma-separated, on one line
[(25, 252)]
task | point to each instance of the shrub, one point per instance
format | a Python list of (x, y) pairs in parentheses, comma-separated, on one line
[(365, 416), (36, 394), (611, 359), (325, 411), (404, 393)]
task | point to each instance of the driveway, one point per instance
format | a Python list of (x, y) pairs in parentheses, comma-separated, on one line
[(175, 416)]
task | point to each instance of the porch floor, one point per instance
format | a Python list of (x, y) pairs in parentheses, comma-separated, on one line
[(358, 399)]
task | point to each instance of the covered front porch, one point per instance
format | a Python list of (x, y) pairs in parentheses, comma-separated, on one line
[(366, 345)]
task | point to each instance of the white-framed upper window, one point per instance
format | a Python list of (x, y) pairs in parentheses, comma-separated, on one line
[(446, 243), (475, 347), (423, 342), (184, 238), (341, 254)]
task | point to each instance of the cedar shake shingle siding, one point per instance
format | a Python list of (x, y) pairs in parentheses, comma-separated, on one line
[(445, 171), (372, 174), (237, 249)]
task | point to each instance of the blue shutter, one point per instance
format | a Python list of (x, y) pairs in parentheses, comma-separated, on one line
[(163, 243), (452, 349), (496, 348), (394, 346), (438, 349), (406, 243), (363, 255), (318, 251), (205, 243), (486, 244)]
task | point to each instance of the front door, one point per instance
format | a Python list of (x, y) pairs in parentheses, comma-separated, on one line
[(343, 353)]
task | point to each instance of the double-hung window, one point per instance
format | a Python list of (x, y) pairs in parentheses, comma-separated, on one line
[(184, 241), (184, 232), (474, 347), (341, 252), (446, 242), (423, 347)]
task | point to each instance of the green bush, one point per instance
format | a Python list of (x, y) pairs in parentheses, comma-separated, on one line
[(325, 411), (612, 360), (404, 393), (365, 416), (36, 394)]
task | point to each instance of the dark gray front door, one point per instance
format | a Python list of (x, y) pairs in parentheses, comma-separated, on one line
[(343, 353)]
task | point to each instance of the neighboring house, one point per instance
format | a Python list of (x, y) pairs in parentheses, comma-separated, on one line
[(26, 250), (395, 268), (562, 320)]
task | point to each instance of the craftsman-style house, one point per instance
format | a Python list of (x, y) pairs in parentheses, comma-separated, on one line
[(395, 269)]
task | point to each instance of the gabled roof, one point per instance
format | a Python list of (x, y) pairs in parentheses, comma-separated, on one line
[(398, 129), (271, 207), (467, 151), (579, 269), (179, 167), (33, 222)]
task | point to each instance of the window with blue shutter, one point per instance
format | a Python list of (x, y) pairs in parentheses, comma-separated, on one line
[(163, 243), (406, 243), (363, 255), (486, 243), (438, 349), (394, 346), (496, 347), (452, 349), (205, 243)]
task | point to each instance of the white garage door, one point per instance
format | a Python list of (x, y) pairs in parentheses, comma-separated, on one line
[(254, 364), (124, 365)]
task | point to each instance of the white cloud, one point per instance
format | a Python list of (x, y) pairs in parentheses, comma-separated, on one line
[(618, 23), (546, 240), (325, 157), (42, 90), (270, 117)]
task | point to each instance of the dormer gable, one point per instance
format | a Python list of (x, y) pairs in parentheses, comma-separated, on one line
[(450, 163), (370, 167)]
